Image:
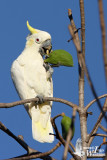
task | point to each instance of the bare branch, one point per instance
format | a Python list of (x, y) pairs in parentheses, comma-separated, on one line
[(26, 147), (55, 135), (104, 129), (70, 132), (19, 140), (82, 63), (59, 137), (98, 134), (39, 155), (57, 116), (9, 105), (82, 26), (92, 88), (89, 138), (72, 28), (72, 146), (95, 128), (103, 32), (86, 108)]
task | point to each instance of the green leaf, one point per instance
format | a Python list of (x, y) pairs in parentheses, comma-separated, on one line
[(60, 57), (66, 124)]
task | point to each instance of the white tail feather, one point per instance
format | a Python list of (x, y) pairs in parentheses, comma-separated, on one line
[(41, 124), (42, 134)]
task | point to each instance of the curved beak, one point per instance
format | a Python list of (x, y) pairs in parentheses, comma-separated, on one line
[(46, 47)]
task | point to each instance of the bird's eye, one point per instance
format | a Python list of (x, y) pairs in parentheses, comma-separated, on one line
[(37, 40)]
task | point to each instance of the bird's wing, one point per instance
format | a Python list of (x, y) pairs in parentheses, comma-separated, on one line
[(19, 80), (17, 74)]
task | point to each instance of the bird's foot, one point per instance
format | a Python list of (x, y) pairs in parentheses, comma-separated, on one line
[(40, 99)]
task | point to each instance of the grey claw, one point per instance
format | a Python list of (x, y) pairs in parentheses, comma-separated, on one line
[(41, 100)]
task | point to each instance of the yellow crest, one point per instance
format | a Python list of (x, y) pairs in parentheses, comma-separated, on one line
[(31, 29)]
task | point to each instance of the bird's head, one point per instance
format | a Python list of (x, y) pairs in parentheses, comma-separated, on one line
[(41, 40)]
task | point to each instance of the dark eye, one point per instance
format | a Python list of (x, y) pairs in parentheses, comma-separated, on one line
[(37, 40)]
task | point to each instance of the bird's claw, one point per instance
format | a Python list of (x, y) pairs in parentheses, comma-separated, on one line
[(40, 99)]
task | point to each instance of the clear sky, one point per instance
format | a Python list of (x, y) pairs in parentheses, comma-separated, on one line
[(50, 16)]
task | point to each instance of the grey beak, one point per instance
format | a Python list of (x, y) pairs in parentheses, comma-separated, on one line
[(47, 45)]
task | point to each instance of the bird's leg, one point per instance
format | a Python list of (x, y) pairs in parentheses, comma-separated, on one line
[(40, 99)]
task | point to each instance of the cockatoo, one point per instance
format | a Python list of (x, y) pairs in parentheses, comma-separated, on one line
[(31, 78)]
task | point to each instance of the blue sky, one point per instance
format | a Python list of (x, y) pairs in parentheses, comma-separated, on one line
[(50, 16)]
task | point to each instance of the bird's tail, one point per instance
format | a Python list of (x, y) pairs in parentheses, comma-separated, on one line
[(41, 123)]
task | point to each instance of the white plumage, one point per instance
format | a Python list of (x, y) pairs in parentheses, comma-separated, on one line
[(32, 79)]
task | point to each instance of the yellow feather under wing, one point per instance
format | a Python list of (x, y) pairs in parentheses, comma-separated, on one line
[(42, 134)]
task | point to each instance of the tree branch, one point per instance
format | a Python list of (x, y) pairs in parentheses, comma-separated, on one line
[(86, 108), (70, 132), (99, 134), (82, 26), (44, 155), (18, 139), (27, 148), (103, 32), (59, 137), (95, 128), (104, 129), (12, 104), (72, 29)]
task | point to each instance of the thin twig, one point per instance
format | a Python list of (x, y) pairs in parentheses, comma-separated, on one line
[(72, 146), (104, 143), (70, 132), (104, 129), (60, 138), (103, 32), (102, 96), (53, 119), (95, 128), (72, 28), (99, 134), (92, 88), (44, 155), (82, 63), (26, 147), (19, 140), (82, 26), (57, 116)]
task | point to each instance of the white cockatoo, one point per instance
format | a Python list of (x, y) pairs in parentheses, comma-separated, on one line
[(31, 78)]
